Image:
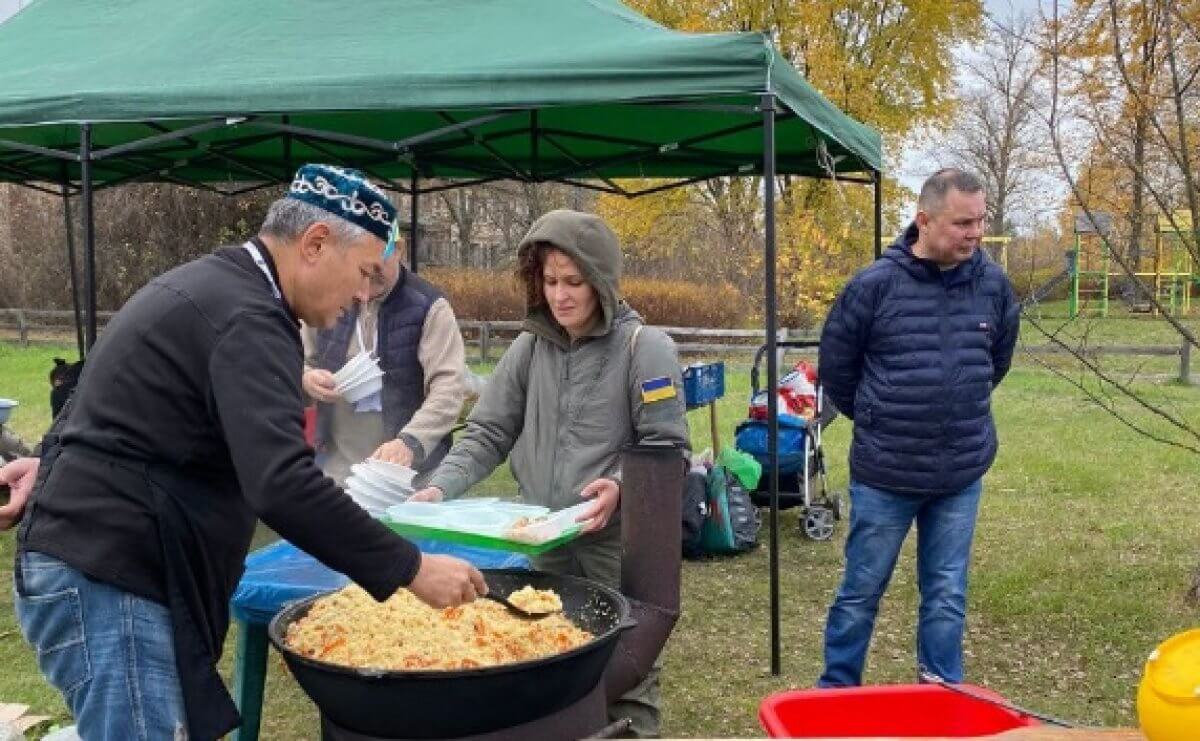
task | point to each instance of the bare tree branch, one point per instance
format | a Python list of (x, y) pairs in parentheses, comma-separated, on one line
[(1053, 123), (1108, 405)]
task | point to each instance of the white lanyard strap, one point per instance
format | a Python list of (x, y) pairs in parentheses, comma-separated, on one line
[(358, 330), (256, 255)]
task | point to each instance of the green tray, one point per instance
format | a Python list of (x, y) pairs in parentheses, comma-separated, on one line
[(481, 541)]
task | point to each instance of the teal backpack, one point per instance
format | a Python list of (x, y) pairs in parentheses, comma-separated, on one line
[(732, 522)]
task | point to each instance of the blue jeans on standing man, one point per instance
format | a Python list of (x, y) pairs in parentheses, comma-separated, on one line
[(879, 522), (109, 652)]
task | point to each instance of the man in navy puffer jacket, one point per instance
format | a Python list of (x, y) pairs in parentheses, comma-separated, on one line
[(911, 351)]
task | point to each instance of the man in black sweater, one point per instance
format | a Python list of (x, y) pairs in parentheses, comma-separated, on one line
[(185, 427)]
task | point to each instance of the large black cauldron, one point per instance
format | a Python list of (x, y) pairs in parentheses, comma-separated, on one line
[(452, 704)]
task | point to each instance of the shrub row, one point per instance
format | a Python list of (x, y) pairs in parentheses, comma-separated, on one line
[(1025, 282), (480, 295)]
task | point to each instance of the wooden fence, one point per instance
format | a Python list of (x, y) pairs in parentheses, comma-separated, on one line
[(489, 339)]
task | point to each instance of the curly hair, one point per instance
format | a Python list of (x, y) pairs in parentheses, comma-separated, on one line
[(529, 272)]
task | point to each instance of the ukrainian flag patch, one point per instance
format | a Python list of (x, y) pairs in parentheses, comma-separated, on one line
[(657, 389)]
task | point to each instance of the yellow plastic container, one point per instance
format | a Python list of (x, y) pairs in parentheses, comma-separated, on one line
[(1168, 700)]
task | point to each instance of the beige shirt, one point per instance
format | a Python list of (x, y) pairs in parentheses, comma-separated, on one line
[(356, 435)]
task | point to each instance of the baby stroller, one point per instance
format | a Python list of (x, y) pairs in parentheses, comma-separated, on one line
[(802, 479)]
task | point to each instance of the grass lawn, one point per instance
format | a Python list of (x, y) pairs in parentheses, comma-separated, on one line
[(1087, 538)]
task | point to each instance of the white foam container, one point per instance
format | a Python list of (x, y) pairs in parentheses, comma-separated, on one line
[(362, 390)]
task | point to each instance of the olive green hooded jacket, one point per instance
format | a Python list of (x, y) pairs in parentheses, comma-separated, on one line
[(561, 411)]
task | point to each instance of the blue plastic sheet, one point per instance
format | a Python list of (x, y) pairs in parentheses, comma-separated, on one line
[(280, 573)]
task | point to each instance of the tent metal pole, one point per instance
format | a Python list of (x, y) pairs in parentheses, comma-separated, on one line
[(454, 126), (630, 142), (690, 181), (31, 186), (844, 179), (288, 166), (70, 229), (459, 184), (39, 151), (89, 231), (687, 154), (168, 136), (25, 175), (612, 186), (380, 145), (584, 185), (335, 158), (362, 142), (534, 150), (878, 214), (745, 110), (413, 239), (651, 149), (768, 124), (514, 172), (162, 165)]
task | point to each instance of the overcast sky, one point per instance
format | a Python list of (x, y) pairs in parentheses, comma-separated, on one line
[(1002, 7), (914, 166)]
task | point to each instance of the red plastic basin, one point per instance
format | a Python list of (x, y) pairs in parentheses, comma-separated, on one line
[(903, 710)]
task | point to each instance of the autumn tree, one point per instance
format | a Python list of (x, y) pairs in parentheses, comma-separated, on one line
[(1112, 85), (997, 132), (1120, 71), (142, 230), (886, 64)]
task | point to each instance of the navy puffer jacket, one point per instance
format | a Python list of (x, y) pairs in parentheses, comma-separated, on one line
[(911, 353)]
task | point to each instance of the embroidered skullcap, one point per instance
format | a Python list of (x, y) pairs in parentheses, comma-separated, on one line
[(346, 194)]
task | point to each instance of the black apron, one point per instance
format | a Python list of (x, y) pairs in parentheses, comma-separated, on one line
[(196, 581)]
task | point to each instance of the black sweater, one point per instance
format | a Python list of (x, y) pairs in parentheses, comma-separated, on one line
[(195, 384)]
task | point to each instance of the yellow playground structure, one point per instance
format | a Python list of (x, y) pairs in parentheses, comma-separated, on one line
[(997, 247), (1167, 270)]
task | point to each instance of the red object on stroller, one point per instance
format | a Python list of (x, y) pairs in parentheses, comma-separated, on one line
[(797, 394)]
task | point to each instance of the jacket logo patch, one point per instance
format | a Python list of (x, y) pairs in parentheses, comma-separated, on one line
[(983, 326), (657, 389)]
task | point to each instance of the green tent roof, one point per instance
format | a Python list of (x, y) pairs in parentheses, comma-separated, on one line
[(526, 89)]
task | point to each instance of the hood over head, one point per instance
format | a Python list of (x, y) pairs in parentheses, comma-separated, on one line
[(587, 240)]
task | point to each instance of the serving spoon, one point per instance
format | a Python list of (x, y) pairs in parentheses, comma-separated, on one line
[(519, 611)]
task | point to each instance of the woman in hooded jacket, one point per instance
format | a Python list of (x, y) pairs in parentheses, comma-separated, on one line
[(584, 379)]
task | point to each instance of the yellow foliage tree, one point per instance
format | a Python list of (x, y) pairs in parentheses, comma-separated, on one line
[(1126, 73), (888, 65)]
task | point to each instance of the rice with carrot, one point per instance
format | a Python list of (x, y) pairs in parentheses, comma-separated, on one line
[(350, 628)]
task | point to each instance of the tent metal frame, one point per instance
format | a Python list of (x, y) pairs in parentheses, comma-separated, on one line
[(160, 154)]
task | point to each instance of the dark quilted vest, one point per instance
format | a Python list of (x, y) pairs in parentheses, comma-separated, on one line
[(401, 321)]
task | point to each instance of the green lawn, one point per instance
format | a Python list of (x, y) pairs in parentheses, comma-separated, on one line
[(1120, 327), (1087, 538)]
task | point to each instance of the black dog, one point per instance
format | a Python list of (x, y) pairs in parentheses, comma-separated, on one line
[(63, 377)]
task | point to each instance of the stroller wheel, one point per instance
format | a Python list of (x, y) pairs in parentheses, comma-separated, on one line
[(818, 522)]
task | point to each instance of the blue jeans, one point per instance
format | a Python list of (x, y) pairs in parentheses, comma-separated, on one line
[(107, 651), (879, 522)]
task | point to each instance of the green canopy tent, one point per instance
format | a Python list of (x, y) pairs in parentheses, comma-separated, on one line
[(231, 96)]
